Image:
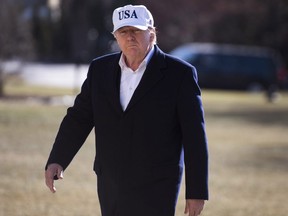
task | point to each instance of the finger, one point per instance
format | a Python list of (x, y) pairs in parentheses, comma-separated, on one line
[(53, 170), (192, 213), (60, 173), (186, 209), (49, 179), (198, 212)]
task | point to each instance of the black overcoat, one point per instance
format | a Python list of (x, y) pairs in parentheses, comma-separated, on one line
[(139, 151)]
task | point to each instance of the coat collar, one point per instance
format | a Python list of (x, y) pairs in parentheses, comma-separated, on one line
[(152, 75)]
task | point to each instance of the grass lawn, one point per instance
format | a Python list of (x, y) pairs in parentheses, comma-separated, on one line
[(248, 144)]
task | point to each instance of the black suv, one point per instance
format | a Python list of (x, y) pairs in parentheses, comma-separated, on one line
[(234, 67)]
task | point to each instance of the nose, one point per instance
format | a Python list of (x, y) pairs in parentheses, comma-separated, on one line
[(130, 35)]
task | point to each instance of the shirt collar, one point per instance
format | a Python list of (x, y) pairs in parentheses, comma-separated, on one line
[(144, 63)]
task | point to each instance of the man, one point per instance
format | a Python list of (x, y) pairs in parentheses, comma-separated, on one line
[(146, 110)]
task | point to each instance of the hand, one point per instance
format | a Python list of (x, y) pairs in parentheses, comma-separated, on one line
[(52, 170), (194, 207)]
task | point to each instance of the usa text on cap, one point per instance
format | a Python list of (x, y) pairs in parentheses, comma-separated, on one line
[(137, 16)]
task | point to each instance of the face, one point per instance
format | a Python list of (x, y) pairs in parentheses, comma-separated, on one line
[(133, 42)]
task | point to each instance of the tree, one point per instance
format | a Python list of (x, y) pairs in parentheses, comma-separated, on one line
[(15, 37), (249, 22)]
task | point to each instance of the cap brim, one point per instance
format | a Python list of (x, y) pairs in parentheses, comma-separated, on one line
[(131, 25)]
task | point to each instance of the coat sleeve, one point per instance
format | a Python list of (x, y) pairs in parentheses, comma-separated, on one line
[(74, 128), (191, 117)]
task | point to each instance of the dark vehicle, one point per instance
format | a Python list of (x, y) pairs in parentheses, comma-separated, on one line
[(233, 66)]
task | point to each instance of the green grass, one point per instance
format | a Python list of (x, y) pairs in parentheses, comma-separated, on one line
[(248, 144)]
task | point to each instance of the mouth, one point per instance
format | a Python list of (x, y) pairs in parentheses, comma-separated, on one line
[(132, 45)]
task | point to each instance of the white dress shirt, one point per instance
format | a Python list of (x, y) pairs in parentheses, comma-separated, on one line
[(130, 79)]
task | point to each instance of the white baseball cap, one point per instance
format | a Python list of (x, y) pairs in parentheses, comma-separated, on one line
[(137, 16)]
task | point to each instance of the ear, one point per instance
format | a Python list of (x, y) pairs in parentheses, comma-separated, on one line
[(152, 36)]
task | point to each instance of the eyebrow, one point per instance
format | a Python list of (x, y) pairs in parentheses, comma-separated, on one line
[(128, 28)]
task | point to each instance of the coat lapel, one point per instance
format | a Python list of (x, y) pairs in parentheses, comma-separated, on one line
[(151, 76), (112, 83)]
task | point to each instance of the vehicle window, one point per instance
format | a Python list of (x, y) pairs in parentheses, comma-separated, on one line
[(232, 63), (248, 64), (206, 62)]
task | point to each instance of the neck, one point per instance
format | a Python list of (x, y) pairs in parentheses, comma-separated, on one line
[(134, 62)]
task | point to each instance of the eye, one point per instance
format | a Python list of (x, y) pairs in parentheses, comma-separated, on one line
[(123, 32), (136, 31)]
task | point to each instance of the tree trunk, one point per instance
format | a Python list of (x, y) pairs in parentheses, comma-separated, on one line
[(1, 84)]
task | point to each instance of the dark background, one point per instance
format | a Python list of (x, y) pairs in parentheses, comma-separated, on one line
[(76, 31), (79, 30)]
